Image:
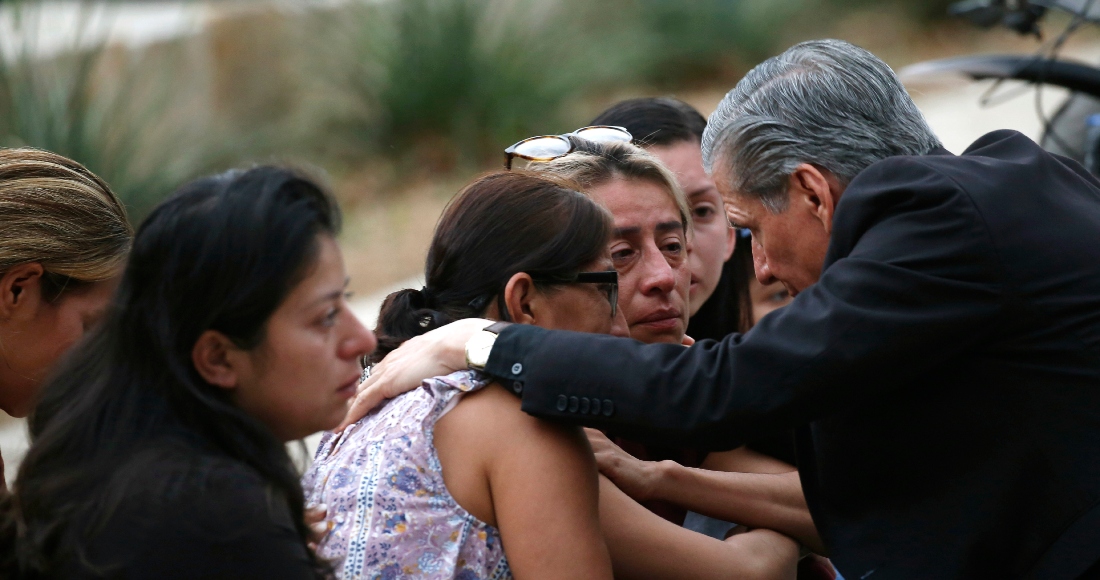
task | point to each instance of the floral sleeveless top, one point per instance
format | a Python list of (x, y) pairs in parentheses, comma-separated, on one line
[(392, 515)]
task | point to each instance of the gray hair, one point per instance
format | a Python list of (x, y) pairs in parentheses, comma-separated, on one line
[(824, 102)]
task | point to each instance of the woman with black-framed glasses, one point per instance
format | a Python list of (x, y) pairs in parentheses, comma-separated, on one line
[(453, 479)]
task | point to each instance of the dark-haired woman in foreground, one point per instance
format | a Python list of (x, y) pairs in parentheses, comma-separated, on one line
[(158, 449)]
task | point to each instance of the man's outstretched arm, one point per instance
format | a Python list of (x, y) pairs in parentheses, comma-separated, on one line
[(910, 283)]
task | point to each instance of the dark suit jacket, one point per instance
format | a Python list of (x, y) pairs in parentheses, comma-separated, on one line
[(943, 375)]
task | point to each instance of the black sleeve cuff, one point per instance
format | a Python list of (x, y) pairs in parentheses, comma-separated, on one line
[(506, 360)]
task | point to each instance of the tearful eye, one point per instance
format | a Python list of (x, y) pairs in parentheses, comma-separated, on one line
[(622, 254)]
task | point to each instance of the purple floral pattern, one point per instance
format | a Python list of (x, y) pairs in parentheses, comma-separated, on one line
[(393, 516)]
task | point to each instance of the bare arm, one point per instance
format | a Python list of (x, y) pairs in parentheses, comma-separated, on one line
[(745, 460), (533, 479), (646, 546), (757, 500)]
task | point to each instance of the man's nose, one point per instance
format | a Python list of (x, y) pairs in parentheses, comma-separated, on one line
[(760, 265)]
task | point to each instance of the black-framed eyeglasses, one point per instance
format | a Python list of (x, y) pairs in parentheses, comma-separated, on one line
[(549, 147), (607, 282)]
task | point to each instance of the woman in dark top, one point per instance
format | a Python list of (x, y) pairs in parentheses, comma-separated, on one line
[(158, 449)]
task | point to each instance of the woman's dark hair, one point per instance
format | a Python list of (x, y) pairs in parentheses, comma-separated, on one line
[(655, 121), (500, 224), (221, 254)]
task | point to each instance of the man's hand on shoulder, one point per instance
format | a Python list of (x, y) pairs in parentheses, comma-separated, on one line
[(439, 352)]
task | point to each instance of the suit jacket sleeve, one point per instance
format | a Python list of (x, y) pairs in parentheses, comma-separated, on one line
[(911, 280)]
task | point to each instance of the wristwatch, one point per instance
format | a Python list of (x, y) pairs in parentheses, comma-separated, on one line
[(480, 345)]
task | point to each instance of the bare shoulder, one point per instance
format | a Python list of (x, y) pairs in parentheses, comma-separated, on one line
[(487, 442), (492, 417)]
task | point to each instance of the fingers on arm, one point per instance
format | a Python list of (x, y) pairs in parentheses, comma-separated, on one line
[(436, 353)]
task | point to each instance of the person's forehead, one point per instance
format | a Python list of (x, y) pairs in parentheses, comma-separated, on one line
[(685, 160), (325, 277), (637, 203), (679, 155), (743, 210)]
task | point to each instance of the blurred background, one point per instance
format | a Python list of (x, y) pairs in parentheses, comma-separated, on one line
[(400, 102)]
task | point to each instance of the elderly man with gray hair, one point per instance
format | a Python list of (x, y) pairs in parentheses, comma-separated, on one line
[(940, 362)]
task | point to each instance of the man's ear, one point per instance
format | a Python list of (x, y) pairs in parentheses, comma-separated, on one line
[(518, 296), (212, 358), (819, 189), (21, 290)]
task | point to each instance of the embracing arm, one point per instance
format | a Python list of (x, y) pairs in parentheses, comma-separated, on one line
[(757, 500), (910, 283), (645, 545)]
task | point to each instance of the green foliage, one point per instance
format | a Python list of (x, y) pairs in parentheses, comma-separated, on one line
[(472, 73), (693, 39), (115, 112)]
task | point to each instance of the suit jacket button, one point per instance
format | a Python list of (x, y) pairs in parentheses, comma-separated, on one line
[(517, 387), (585, 404), (573, 404), (517, 369), (562, 402), (595, 406), (608, 408)]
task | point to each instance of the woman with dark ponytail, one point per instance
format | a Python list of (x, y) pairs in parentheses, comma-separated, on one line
[(453, 480), (158, 448)]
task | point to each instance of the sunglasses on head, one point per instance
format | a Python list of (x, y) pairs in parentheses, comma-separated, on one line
[(549, 147)]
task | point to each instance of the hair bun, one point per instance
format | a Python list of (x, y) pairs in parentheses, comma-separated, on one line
[(405, 314)]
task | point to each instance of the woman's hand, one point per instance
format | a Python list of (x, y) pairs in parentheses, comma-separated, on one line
[(318, 526), (635, 477), (439, 352)]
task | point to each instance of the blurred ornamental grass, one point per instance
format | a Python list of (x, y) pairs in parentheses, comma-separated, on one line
[(407, 88), (452, 82), (124, 114)]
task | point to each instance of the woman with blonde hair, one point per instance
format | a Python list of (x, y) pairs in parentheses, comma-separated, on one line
[(63, 238)]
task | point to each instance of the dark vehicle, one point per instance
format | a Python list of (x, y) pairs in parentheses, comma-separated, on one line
[(1074, 129)]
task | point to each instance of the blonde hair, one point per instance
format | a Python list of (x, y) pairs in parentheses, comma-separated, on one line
[(57, 213), (594, 164)]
